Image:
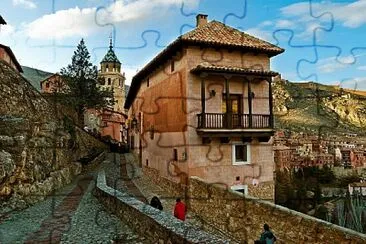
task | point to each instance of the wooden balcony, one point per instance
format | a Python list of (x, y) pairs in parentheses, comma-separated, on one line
[(222, 124)]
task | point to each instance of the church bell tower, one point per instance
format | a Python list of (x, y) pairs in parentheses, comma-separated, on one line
[(110, 72)]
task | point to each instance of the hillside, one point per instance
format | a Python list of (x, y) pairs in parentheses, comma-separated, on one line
[(35, 76), (312, 107)]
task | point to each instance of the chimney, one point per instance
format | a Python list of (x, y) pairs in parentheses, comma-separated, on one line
[(201, 19)]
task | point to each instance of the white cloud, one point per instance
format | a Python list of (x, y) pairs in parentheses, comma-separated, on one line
[(130, 71), (284, 23), (260, 33), (25, 3), (82, 22), (63, 23), (361, 67), (349, 14), (266, 23), (6, 30), (357, 83), (331, 64), (331, 67)]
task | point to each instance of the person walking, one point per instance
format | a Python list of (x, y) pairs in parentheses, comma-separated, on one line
[(180, 210), (155, 202), (267, 237)]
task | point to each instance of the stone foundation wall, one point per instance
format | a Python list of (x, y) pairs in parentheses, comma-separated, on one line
[(243, 217), (155, 225)]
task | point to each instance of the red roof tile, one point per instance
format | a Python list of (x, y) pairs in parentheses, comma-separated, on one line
[(216, 32)]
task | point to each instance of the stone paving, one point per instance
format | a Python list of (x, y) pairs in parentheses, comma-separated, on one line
[(74, 215), (71, 215)]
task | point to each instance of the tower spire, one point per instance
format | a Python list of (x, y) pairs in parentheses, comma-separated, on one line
[(110, 41)]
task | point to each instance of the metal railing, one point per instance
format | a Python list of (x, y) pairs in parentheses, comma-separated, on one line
[(234, 121)]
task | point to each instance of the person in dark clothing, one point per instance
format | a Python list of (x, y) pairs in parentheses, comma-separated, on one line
[(180, 210), (267, 237), (155, 202)]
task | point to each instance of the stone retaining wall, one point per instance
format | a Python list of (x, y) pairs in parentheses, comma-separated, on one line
[(243, 217), (173, 188), (264, 191), (155, 225), (38, 144)]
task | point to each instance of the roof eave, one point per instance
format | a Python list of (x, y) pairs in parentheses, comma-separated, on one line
[(104, 61), (270, 51), (199, 70)]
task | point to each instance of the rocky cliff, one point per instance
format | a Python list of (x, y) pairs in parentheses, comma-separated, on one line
[(310, 107), (39, 146)]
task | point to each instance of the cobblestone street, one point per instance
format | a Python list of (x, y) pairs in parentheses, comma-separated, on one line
[(74, 215), (71, 215)]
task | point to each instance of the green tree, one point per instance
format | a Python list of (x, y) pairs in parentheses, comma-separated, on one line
[(81, 77)]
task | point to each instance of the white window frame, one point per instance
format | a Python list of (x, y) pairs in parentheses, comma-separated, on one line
[(248, 154)]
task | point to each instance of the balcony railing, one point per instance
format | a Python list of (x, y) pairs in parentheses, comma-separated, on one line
[(234, 121)]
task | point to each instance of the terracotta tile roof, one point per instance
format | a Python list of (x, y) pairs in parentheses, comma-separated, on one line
[(216, 32), (231, 69), (12, 56), (213, 34)]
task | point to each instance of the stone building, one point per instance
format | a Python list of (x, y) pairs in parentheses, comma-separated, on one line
[(113, 79), (283, 157), (110, 122), (53, 83), (7, 55), (203, 107)]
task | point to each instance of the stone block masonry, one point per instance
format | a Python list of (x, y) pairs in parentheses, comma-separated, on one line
[(244, 217), (39, 146), (155, 225)]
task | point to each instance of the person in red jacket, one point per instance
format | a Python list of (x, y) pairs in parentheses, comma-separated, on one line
[(180, 210)]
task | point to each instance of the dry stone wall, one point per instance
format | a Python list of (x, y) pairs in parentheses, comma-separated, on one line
[(38, 146)]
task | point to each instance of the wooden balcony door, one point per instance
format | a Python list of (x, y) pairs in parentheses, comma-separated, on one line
[(233, 111)]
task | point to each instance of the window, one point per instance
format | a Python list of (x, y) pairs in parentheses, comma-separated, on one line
[(119, 82), (241, 154), (175, 154), (148, 82), (109, 81), (172, 66), (106, 68), (147, 162), (47, 85)]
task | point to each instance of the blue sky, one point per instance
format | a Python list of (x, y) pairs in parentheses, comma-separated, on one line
[(324, 40)]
